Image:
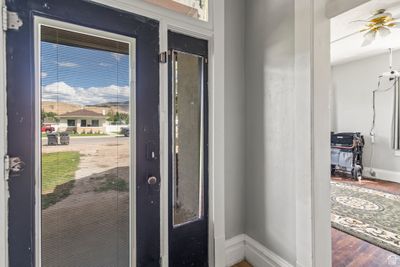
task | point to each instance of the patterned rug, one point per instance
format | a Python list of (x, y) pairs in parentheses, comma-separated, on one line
[(368, 214)]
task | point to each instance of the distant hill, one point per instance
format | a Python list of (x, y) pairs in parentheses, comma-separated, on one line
[(111, 104), (59, 107), (62, 107), (121, 106)]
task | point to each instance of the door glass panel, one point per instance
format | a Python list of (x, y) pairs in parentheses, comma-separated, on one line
[(188, 136), (85, 160)]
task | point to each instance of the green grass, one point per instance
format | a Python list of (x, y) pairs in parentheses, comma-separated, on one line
[(116, 184), (58, 171)]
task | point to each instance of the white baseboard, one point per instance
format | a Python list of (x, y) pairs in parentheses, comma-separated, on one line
[(234, 249), (384, 175), (243, 247)]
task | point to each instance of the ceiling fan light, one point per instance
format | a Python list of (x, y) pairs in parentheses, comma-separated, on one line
[(369, 37), (383, 31)]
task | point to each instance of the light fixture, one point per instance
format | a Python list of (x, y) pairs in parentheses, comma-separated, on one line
[(381, 22)]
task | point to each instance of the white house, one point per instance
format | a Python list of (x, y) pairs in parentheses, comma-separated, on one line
[(83, 121)]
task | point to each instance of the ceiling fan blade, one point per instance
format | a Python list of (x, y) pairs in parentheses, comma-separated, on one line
[(394, 24), (344, 37), (369, 37), (383, 31), (384, 14), (359, 20)]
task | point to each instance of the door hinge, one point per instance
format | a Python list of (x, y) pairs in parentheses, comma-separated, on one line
[(163, 57), (12, 166), (11, 20)]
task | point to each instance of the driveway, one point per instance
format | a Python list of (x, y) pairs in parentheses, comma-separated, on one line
[(90, 227)]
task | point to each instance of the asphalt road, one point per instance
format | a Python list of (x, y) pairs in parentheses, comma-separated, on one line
[(94, 140)]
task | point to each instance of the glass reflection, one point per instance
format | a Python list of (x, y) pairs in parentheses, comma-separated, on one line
[(188, 136), (84, 154)]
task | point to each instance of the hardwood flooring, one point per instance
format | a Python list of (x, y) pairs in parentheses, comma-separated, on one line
[(349, 251), (242, 264)]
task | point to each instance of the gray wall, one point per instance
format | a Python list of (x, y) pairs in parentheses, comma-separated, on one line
[(235, 118), (270, 107), (353, 83)]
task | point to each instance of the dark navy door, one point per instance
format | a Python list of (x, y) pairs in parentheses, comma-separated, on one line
[(87, 150), (188, 153)]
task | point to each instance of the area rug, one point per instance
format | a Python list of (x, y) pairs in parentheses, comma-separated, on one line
[(368, 214)]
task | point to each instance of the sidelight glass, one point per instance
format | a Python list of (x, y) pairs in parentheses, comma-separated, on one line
[(85, 159), (187, 117)]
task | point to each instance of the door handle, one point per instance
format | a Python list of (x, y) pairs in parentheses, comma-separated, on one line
[(152, 180)]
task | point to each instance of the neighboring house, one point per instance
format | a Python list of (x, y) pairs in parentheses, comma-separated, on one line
[(83, 121)]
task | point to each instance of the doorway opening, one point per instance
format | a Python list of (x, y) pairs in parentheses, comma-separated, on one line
[(365, 162)]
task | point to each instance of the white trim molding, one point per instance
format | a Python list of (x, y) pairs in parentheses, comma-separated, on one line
[(381, 174), (312, 79), (243, 247), (217, 139)]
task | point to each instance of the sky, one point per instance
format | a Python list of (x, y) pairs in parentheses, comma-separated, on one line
[(83, 76)]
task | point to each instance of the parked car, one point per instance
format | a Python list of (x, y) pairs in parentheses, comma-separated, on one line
[(47, 128), (125, 131)]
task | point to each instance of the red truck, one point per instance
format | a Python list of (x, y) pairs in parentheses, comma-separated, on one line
[(47, 128)]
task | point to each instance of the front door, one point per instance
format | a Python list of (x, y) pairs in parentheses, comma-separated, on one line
[(83, 119)]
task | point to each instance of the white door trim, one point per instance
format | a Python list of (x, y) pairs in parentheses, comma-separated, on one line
[(312, 82)]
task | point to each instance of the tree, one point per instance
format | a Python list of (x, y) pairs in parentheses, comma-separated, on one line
[(49, 115), (117, 117)]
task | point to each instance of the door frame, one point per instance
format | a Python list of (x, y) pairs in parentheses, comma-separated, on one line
[(312, 82), (213, 31)]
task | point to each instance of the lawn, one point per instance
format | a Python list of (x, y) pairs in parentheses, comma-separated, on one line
[(58, 171)]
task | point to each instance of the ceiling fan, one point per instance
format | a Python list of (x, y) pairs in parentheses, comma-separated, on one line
[(380, 22)]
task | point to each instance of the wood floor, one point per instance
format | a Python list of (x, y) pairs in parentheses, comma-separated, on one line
[(242, 264), (349, 251)]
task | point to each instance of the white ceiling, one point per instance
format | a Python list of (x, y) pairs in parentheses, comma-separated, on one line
[(350, 48)]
